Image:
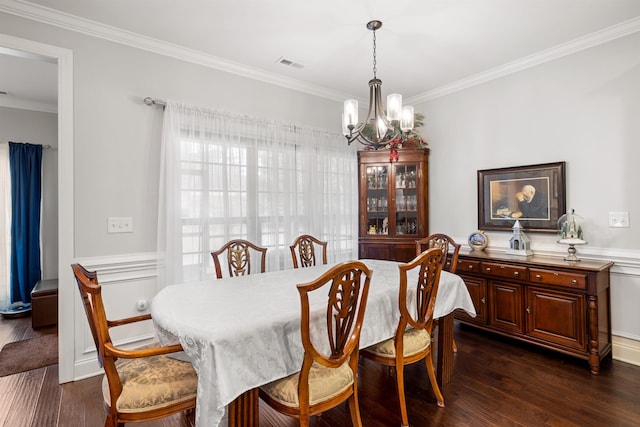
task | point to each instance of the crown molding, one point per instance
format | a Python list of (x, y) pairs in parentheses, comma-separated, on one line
[(21, 104), (73, 23), (576, 45), (128, 38)]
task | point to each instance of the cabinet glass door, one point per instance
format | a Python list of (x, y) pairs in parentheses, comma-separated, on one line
[(377, 200), (406, 199)]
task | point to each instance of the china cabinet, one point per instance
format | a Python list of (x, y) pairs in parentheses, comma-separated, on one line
[(559, 305), (393, 209)]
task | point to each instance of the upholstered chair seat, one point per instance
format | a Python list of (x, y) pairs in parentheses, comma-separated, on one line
[(324, 384), (415, 341), (152, 383)]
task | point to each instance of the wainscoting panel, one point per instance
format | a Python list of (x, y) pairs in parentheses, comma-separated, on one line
[(125, 281)]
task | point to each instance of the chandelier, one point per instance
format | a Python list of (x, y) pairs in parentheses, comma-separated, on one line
[(378, 129)]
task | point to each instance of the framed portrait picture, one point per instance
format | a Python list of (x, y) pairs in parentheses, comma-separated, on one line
[(535, 195)]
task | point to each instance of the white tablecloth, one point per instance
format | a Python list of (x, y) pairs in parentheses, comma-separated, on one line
[(244, 332)]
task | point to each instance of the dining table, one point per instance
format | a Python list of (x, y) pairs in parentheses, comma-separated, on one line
[(243, 332)]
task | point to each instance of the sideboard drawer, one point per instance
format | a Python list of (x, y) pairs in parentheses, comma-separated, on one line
[(505, 270), (468, 266), (571, 280)]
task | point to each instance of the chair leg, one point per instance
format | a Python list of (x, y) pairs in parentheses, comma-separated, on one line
[(434, 383), (190, 417), (401, 396), (354, 409)]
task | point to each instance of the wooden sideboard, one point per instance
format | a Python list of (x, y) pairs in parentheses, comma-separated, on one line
[(559, 305)]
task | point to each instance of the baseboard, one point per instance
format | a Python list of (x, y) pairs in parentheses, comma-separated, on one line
[(626, 350)]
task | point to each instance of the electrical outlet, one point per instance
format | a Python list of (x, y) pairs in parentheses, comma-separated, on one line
[(619, 219), (120, 225)]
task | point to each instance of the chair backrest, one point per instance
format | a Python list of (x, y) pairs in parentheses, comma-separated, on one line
[(349, 289), (429, 266), (238, 257), (305, 246), (91, 294), (445, 243)]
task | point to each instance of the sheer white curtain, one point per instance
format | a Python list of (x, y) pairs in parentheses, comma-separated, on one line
[(226, 176), (5, 225)]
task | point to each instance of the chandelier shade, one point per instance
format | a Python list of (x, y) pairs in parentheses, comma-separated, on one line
[(379, 128)]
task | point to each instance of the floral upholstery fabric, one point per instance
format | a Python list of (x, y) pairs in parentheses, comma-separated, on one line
[(152, 382), (324, 383), (415, 340)]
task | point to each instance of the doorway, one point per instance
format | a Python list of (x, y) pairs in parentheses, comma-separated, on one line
[(65, 246)]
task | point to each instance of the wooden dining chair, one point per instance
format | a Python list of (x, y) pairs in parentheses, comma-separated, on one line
[(138, 385), (450, 249), (305, 245), (412, 340), (238, 257), (326, 380)]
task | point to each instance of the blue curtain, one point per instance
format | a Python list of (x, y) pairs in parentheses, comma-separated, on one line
[(25, 161)]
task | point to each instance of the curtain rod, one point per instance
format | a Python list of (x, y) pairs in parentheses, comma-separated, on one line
[(45, 146), (153, 101)]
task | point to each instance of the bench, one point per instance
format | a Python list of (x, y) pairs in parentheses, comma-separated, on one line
[(44, 304)]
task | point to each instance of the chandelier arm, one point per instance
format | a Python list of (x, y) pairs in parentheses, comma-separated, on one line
[(362, 139), (379, 110)]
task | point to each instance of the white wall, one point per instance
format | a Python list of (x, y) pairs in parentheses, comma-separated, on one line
[(39, 128), (583, 109)]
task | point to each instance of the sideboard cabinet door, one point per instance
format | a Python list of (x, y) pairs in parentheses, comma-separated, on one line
[(558, 317), (506, 306)]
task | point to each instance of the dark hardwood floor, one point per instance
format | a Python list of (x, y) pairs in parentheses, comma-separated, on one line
[(496, 382)]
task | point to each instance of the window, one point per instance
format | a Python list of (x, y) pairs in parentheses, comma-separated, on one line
[(254, 180)]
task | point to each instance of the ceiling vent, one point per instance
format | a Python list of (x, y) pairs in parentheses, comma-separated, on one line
[(289, 63)]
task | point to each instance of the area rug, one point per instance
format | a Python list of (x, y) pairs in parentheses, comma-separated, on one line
[(34, 353)]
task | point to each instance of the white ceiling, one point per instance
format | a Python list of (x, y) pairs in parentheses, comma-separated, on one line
[(423, 47)]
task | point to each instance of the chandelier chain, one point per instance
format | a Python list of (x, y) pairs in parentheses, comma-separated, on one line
[(374, 55)]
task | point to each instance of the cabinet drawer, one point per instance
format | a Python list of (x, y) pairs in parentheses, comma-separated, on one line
[(505, 270), (465, 266), (550, 277)]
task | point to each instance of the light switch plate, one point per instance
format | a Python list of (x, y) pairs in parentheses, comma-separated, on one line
[(619, 219), (120, 224)]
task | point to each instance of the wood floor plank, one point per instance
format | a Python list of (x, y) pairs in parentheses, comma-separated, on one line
[(48, 406), (8, 387), (72, 410), (23, 406)]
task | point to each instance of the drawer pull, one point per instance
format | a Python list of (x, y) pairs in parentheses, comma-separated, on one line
[(488, 268), (574, 282), (515, 273), (502, 267), (483, 300), (555, 274), (470, 266), (529, 310), (539, 277)]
